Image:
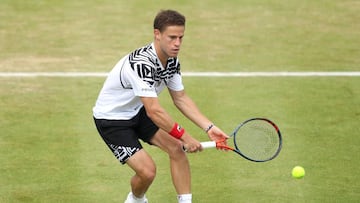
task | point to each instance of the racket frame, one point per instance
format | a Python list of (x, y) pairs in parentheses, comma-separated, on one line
[(217, 144)]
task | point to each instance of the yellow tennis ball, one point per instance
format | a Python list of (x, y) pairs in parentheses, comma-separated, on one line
[(298, 172)]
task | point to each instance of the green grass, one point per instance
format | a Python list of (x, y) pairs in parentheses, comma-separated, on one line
[(221, 35), (50, 149)]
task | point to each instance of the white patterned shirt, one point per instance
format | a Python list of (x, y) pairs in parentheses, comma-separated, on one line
[(138, 74)]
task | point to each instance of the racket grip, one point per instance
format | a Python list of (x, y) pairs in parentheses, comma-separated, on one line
[(208, 144)]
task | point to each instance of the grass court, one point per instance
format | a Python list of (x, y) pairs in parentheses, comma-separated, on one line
[(50, 150)]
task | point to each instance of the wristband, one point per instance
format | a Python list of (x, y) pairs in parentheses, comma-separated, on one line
[(209, 127), (177, 131)]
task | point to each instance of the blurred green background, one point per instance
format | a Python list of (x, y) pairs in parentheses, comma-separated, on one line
[(50, 149)]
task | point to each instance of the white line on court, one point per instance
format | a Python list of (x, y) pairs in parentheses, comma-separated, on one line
[(189, 74), (53, 74), (271, 74)]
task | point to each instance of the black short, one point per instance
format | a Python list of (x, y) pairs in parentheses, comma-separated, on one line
[(122, 136)]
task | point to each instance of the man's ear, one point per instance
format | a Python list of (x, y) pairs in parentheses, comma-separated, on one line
[(157, 34)]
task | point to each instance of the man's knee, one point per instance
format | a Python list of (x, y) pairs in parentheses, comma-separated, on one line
[(147, 173), (150, 174), (177, 152)]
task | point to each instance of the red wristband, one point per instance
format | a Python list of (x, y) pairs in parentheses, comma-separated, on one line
[(177, 131)]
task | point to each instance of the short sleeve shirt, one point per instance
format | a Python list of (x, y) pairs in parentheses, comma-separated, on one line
[(138, 74)]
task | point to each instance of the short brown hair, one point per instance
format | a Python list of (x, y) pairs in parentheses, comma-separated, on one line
[(167, 18)]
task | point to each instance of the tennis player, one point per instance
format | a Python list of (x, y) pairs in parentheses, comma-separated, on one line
[(128, 110)]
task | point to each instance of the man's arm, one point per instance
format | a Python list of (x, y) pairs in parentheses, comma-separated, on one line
[(164, 121), (157, 113), (187, 106)]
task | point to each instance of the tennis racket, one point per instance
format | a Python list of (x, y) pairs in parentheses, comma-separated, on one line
[(256, 139)]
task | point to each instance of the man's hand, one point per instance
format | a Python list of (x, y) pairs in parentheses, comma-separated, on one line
[(216, 134), (190, 144)]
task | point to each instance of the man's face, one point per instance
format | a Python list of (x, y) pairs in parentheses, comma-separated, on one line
[(170, 40)]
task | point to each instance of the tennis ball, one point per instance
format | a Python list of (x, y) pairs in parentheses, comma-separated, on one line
[(298, 172)]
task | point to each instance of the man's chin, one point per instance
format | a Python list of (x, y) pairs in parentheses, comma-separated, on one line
[(173, 55)]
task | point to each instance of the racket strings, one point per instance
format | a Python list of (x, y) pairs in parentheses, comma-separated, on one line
[(257, 140)]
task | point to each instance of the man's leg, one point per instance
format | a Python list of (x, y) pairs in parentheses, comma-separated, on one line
[(180, 168), (145, 171), (123, 141)]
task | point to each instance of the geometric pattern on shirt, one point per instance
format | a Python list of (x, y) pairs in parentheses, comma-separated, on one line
[(145, 63)]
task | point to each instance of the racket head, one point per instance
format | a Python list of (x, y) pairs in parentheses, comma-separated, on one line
[(257, 139)]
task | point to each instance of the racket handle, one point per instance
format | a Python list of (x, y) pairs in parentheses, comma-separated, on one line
[(208, 144)]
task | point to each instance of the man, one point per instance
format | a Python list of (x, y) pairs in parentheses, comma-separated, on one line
[(128, 109)]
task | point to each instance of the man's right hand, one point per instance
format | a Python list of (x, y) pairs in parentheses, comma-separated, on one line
[(190, 144)]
